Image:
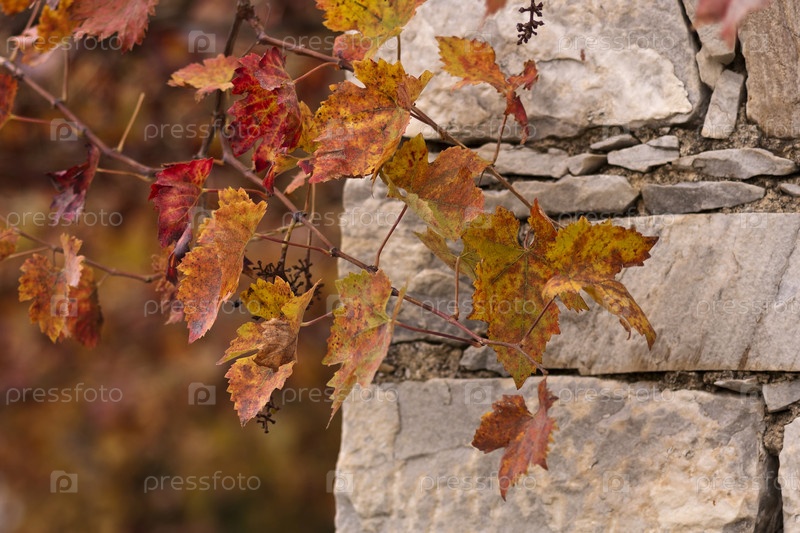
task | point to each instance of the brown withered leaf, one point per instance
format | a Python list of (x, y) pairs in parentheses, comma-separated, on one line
[(525, 436)]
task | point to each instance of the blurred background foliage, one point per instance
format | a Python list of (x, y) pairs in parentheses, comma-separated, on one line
[(114, 447)]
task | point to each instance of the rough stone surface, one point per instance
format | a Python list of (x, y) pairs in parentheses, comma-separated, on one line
[(615, 142), (482, 359), (693, 197), (724, 106), (708, 69), (665, 141), (524, 161), (790, 189), (745, 386), (582, 164), (642, 157), (722, 292), (571, 194), (626, 457), (736, 163), (769, 46), (778, 396), (601, 65), (789, 477), (716, 48)]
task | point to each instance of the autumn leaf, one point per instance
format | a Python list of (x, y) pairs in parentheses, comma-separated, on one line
[(525, 436), (273, 340), (374, 21), (46, 285), (354, 47), (8, 92), (85, 317), (516, 282), (493, 6), (166, 288), (361, 127), (467, 260), (475, 62), (175, 193), (211, 270), (361, 332), (72, 185), (73, 263), (508, 291), (12, 7), (266, 350), (8, 242), (269, 114), (588, 257), (443, 194), (251, 385), (729, 12), (214, 74), (55, 26), (103, 18)]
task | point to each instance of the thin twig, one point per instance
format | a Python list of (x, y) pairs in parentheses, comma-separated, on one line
[(130, 122), (78, 124), (473, 342), (313, 70), (386, 239), (320, 318)]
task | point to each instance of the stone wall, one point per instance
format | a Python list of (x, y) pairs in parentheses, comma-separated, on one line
[(640, 117)]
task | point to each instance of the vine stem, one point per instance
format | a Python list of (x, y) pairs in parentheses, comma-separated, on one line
[(64, 110), (111, 271), (17, 72), (386, 239)]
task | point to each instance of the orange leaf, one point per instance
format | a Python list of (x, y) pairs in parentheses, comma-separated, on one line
[(360, 128), (175, 193), (46, 285), (103, 18), (525, 436), (493, 6), (12, 7), (361, 332), (443, 194), (251, 385), (211, 270), (214, 74), (166, 288), (55, 26), (8, 92), (8, 242)]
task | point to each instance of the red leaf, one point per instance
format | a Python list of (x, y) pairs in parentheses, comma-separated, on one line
[(270, 113), (525, 436), (175, 193), (72, 185), (103, 18)]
